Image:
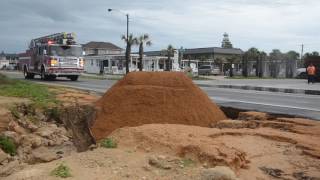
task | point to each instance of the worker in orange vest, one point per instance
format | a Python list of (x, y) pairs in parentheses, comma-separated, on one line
[(311, 71)]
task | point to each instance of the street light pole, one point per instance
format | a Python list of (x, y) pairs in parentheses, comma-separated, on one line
[(127, 15), (127, 56), (127, 26)]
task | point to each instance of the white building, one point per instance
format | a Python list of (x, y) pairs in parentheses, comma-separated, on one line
[(4, 62), (104, 57)]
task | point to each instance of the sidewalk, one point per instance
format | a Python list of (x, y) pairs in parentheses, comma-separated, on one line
[(300, 84)]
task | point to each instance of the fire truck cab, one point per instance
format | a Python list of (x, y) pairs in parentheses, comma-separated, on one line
[(56, 55)]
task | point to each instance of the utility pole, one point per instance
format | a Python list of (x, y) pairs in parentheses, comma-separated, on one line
[(301, 56), (127, 26)]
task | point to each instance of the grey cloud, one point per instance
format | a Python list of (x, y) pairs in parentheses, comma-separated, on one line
[(262, 23)]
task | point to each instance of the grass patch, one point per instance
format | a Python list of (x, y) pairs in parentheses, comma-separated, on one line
[(101, 77), (62, 171), (196, 77), (201, 78), (186, 162), (52, 113), (14, 112), (7, 145), (38, 93), (109, 143)]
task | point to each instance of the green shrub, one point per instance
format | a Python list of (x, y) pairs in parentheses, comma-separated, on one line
[(62, 171), (53, 113), (109, 143), (15, 113), (186, 162), (7, 145)]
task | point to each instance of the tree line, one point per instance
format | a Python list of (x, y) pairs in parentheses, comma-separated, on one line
[(290, 58)]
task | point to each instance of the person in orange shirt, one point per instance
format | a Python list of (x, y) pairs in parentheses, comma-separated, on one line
[(311, 71)]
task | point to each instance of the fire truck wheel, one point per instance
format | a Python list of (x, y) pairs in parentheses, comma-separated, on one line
[(73, 78), (27, 75), (53, 77), (43, 75)]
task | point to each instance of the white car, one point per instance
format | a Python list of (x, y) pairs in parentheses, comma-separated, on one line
[(301, 73)]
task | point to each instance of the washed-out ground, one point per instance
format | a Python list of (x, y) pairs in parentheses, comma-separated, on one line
[(163, 151), (255, 146)]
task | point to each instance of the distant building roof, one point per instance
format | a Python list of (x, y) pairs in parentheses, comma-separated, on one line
[(101, 45), (216, 50)]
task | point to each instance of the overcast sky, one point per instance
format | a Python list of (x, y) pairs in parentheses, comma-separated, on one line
[(265, 24)]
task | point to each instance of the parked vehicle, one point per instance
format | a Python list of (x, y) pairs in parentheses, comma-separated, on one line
[(301, 73), (56, 55), (208, 70)]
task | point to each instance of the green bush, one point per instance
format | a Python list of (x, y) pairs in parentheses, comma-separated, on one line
[(53, 113), (109, 143), (62, 171), (15, 113), (186, 162), (7, 145)]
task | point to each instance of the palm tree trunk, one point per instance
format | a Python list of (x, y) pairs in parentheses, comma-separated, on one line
[(140, 57), (168, 64), (245, 66), (127, 58), (257, 66), (260, 67)]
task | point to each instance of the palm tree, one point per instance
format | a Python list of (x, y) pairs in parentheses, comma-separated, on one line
[(251, 55), (315, 53), (262, 58), (129, 41), (230, 61), (170, 52), (291, 58), (275, 56), (141, 41)]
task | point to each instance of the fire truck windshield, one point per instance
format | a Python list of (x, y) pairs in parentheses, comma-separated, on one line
[(65, 50)]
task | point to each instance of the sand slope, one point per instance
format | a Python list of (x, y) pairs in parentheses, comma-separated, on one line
[(154, 97)]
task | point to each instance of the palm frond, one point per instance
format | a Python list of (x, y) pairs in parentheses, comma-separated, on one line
[(146, 37), (149, 43), (123, 37)]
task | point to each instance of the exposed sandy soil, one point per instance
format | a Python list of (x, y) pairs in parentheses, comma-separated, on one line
[(154, 97), (69, 96), (5, 114), (285, 148)]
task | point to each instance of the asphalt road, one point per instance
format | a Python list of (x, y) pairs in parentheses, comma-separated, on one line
[(295, 104)]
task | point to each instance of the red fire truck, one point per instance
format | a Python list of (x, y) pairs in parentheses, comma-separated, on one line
[(56, 55)]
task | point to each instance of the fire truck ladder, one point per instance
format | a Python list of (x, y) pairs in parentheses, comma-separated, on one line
[(57, 38)]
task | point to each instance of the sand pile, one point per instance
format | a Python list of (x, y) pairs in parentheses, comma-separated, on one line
[(154, 97)]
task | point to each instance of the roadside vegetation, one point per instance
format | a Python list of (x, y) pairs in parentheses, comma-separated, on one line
[(193, 77), (109, 143), (7, 145), (102, 77), (186, 162), (62, 171), (37, 93)]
